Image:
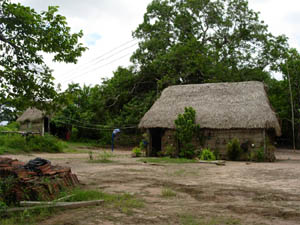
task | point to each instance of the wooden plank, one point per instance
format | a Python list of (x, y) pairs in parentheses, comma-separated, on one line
[(61, 205), (217, 162)]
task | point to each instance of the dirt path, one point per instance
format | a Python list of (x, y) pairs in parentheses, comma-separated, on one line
[(238, 193)]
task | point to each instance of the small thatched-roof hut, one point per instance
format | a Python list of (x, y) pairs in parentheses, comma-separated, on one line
[(34, 120), (223, 111)]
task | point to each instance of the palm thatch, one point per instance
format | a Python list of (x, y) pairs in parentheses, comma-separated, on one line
[(242, 105), (31, 115)]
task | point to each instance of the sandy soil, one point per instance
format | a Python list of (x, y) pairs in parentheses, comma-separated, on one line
[(238, 193)]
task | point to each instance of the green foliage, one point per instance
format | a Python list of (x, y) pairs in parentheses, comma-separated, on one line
[(137, 152), (258, 155), (234, 150), (14, 143), (103, 157), (45, 143), (7, 194), (207, 154), (13, 126), (25, 35), (167, 193), (170, 151), (186, 129)]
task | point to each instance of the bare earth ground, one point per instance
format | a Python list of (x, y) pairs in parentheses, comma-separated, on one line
[(238, 193)]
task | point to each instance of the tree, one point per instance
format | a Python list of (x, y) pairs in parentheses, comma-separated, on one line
[(24, 36), (196, 41), (291, 74)]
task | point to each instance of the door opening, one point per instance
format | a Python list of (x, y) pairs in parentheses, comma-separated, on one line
[(156, 134)]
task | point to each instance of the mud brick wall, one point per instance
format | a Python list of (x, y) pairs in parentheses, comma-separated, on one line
[(36, 126), (218, 139), (168, 139)]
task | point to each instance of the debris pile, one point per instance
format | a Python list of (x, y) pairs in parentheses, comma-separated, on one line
[(36, 180)]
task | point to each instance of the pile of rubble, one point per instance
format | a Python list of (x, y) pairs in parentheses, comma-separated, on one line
[(35, 180)]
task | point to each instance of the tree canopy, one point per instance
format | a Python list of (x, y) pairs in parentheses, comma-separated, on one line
[(24, 36), (196, 41)]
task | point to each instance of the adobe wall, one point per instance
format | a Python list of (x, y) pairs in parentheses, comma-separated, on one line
[(218, 139), (32, 126)]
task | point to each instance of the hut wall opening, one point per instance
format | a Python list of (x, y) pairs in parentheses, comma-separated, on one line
[(155, 145)]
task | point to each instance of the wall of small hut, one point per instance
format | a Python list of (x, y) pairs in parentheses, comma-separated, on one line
[(215, 139), (41, 126)]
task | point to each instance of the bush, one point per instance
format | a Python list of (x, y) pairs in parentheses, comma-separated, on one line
[(234, 150), (258, 155), (187, 151), (207, 154), (186, 130), (137, 152), (15, 142), (45, 143)]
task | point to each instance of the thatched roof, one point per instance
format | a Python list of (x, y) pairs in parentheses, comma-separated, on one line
[(242, 105), (31, 114)]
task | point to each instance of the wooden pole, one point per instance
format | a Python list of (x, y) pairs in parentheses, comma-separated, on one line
[(292, 107)]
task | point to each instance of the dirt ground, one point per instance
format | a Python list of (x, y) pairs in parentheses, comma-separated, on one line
[(238, 193)]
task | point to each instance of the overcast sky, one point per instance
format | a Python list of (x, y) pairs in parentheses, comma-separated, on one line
[(108, 25)]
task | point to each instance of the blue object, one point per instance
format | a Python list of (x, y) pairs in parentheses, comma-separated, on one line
[(114, 133)]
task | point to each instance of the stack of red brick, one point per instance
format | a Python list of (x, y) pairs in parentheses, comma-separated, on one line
[(44, 183)]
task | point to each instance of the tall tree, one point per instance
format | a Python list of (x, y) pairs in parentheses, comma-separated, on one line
[(195, 41), (24, 36)]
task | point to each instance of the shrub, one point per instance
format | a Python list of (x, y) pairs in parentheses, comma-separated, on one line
[(207, 154), (187, 151), (234, 150), (15, 142), (137, 152), (170, 150), (186, 130), (45, 143), (258, 155)]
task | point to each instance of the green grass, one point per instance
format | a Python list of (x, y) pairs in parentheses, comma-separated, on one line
[(16, 144), (119, 202), (103, 157), (167, 160), (167, 193)]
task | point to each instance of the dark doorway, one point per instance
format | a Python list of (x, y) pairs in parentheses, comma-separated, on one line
[(46, 124), (156, 134)]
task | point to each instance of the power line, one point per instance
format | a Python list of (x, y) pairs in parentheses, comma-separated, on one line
[(99, 60), (94, 124), (96, 68), (94, 128), (99, 57)]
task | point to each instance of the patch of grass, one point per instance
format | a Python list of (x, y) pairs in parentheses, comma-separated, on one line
[(167, 160), (16, 144), (189, 219), (167, 193), (103, 157), (122, 202)]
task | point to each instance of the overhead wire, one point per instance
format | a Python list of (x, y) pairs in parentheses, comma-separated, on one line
[(92, 126), (75, 77), (84, 67), (99, 57)]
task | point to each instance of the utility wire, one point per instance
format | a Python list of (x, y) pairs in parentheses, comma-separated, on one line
[(94, 124), (96, 68), (83, 70), (96, 59), (95, 128)]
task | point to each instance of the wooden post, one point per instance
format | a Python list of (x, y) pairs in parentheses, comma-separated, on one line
[(292, 107), (265, 144)]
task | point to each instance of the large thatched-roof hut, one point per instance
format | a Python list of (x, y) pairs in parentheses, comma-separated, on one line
[(34, 120), (223, 110)]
